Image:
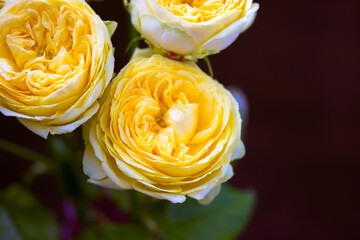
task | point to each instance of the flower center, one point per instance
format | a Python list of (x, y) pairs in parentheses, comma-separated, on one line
[(159, 119), (48, 53), (192, 3)]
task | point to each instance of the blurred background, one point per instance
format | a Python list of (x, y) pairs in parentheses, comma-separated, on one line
[(299, 67)]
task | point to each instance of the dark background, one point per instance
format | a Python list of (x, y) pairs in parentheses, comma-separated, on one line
[(299, 67)]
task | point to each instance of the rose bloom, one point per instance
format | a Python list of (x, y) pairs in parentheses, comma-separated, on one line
[(166, 129), (55, 61), (192, 27)]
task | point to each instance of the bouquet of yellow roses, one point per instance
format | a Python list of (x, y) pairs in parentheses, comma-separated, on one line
[(154, 142)]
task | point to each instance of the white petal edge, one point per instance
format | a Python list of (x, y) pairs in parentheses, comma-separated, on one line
[(174, 198), (105, 183), (239, 151), (43, 130), (92, 165), (227, 36), (166, 36), (211, 195)]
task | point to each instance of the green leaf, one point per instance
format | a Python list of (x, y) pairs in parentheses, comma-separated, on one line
[(111, 26), (225, 218), (115, 232), (23, 218)]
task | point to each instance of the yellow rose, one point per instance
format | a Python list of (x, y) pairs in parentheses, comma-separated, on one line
[(166, 129), (55, 61), (192, 27)]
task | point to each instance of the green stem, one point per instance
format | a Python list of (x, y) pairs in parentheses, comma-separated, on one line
[(132, 37), (63, 150), (140, 209), (134, 40), (208, 63), (24, 153), (152, 226)]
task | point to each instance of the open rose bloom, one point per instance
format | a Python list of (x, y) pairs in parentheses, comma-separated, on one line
[(55, 61), (166, 129), (193, 28)]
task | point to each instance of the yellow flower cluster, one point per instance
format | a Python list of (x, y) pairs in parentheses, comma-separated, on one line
[(163, 127)]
